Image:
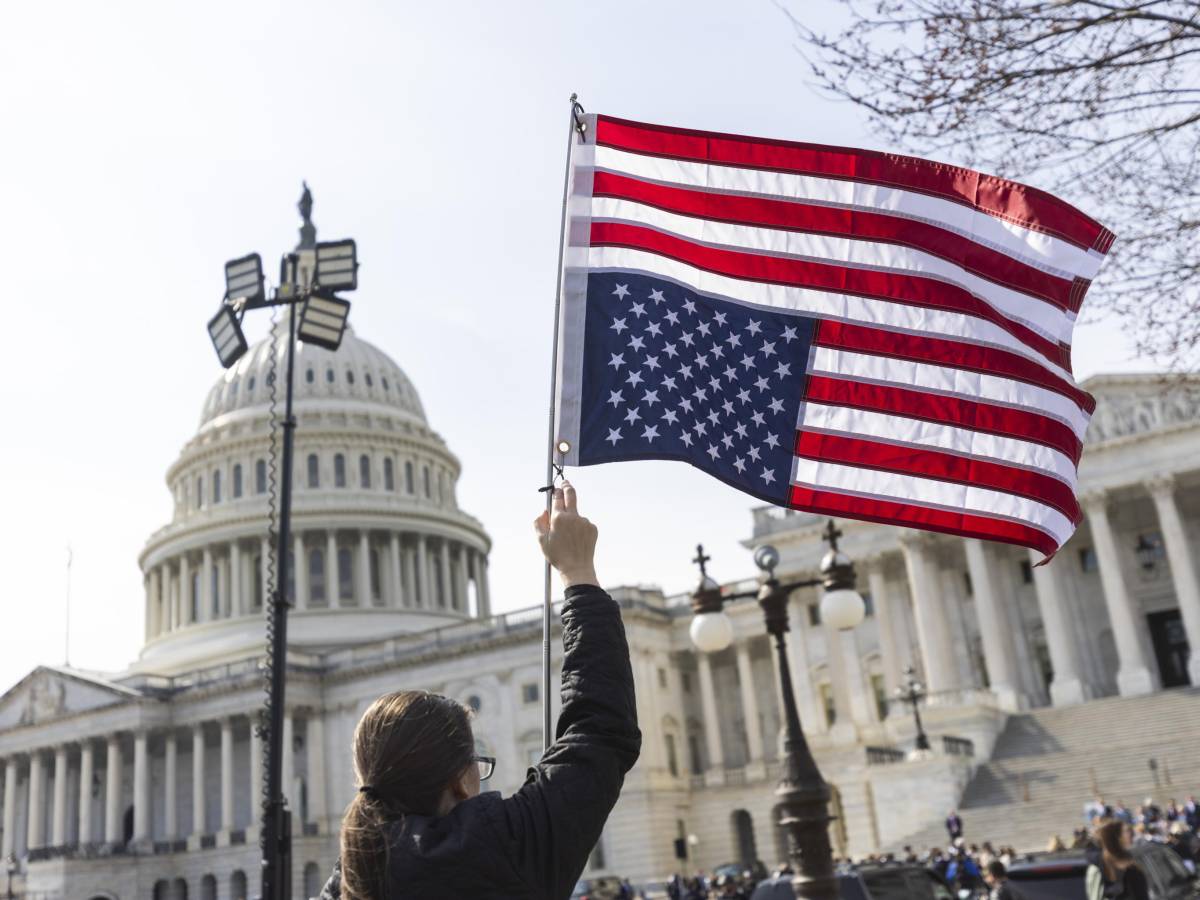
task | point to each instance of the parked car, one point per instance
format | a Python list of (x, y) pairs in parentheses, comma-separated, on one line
[(894, 882), (652, 890), (604, 888), (1061, 876)]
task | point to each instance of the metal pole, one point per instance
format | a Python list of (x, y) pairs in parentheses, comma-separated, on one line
[(922, 738), (551, 437), (277, 855)]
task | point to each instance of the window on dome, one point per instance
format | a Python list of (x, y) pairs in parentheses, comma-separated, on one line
[(428, 484), (250, 385), (329, 375), (316, 575), (237, 480), (216, 481), (349, 376), (310, 376), (384, 382), (233, 390), (441, 487), (364, 470), (339, 470), (345, 574), (314, 471), (368, 379), (389, 476), (260, 477), (376, 578), (199, 491), (408, 478)]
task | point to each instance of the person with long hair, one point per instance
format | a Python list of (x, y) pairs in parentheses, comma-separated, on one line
[(1115, 874), (419, 827)]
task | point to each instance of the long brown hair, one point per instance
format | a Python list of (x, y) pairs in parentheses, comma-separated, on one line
[(1114, 857), (408, 747)]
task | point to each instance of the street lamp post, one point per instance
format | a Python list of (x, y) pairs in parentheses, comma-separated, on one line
[(803, 794), (911, 693), (11, 867), (316, 315)]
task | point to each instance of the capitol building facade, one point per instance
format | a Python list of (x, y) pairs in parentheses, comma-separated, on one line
[(145, 783)]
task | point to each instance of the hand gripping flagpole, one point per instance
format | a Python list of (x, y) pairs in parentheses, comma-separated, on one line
[(578, 126)]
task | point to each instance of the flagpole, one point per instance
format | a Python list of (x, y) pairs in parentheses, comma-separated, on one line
[(576, 126)]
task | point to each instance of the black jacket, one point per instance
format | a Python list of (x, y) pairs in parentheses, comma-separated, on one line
[(535, 843)]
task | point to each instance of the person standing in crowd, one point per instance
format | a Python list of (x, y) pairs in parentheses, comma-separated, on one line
[(419, 826), (1191, 813), (999, 887), (954, 826), (1115, 875)]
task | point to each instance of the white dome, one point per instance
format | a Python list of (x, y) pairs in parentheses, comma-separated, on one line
[(357, 371)]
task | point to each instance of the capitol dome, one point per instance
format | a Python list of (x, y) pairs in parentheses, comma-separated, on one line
[(380, 546)]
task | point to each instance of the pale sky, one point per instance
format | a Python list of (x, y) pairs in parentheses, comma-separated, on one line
[(146, 143)]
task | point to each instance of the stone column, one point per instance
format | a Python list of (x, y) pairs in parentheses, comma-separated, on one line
[(426, 597), (398, 598), (1135, 674), (301, 563), (141, 787), (858, 689), (797, 647), (206, 597), (35, 825), (1184, 574), (708, 701), (333, 577), (409, 575), (166, 602), (933, 630), (446, 599), (7, 847), (485, 596), (317, 806), (745, 670), (87, 772), (288, 760), (887, 624), (153, 616), (236, 580), (199, 824), (112, 790), (226, 775), (58, 821), (170, 789), (364, 569), (185, 591), (1068, 685), (645, 672), (461, 592), (264, 551), (256, 772), (999, 651)]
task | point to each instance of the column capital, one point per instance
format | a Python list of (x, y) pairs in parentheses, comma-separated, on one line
[(913, 539), (1094, 501), (1161, 485)]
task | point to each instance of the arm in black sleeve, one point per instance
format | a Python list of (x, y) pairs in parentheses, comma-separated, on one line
[(555, 819)]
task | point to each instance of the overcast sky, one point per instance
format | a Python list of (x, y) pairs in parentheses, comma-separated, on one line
[(145, 144)]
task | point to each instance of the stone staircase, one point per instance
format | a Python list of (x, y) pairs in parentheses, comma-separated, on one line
[(1048, 762)]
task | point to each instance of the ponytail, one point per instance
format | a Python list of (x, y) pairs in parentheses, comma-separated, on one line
[(409, 747)]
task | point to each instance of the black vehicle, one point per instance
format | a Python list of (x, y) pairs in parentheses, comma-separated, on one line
[(1061, 876), (604, 888), (898, 882)]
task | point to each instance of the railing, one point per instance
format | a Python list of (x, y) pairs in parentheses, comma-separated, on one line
[(735, 776), (956, 746), (77, 851), (884, 756)]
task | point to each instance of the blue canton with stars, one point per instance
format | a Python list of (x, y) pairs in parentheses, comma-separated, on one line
[(671, 374)]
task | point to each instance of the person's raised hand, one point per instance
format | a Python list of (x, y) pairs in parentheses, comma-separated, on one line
[(568, 539)]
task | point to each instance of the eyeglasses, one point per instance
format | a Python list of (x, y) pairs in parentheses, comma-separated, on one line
[(487, 765)]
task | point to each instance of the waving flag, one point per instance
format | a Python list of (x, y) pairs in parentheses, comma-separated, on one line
[(847, 332)]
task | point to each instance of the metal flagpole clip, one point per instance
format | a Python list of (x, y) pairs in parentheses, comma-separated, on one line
[(578, 112), (556, 469)]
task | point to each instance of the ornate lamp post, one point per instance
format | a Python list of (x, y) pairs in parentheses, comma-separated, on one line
[(802, 792), (911, 693), (12, 867)]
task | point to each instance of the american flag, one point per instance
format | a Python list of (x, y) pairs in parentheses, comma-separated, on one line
[(847, 332)]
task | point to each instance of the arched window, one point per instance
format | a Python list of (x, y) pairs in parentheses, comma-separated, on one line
[(310, 376), (408, 478), (312, 880), (350, 376), (250, 385), (428, 484), (385, 383), (208, 887), (316, 575), (339, 470), (329, 375), (216, 486), (237, 885), (260, 477), (180, 889), (364, 470), (389, 476), (314, 471), (237, 480), (345, 574), (743, 834), (368, 379), (441, 487)]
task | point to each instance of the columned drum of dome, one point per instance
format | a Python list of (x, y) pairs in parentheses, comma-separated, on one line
[(380, 545)]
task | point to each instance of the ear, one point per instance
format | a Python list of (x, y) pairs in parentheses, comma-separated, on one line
[(458, 787)]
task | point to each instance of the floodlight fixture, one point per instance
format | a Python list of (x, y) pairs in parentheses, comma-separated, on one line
[(337, 265), (244, 280), (227, 337), (323, 320)]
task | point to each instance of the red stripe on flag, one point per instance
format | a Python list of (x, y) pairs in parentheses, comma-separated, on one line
[(1000, 420), (941, 466), (945, 352), (888, 512), (912, 290), (998, 197), (851, 223)]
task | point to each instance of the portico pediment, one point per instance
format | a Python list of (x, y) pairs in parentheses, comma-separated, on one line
[(46, 694), (1129, 405)]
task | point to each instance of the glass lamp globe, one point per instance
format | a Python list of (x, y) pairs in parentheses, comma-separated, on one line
[(842, 609), (711, 632)]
